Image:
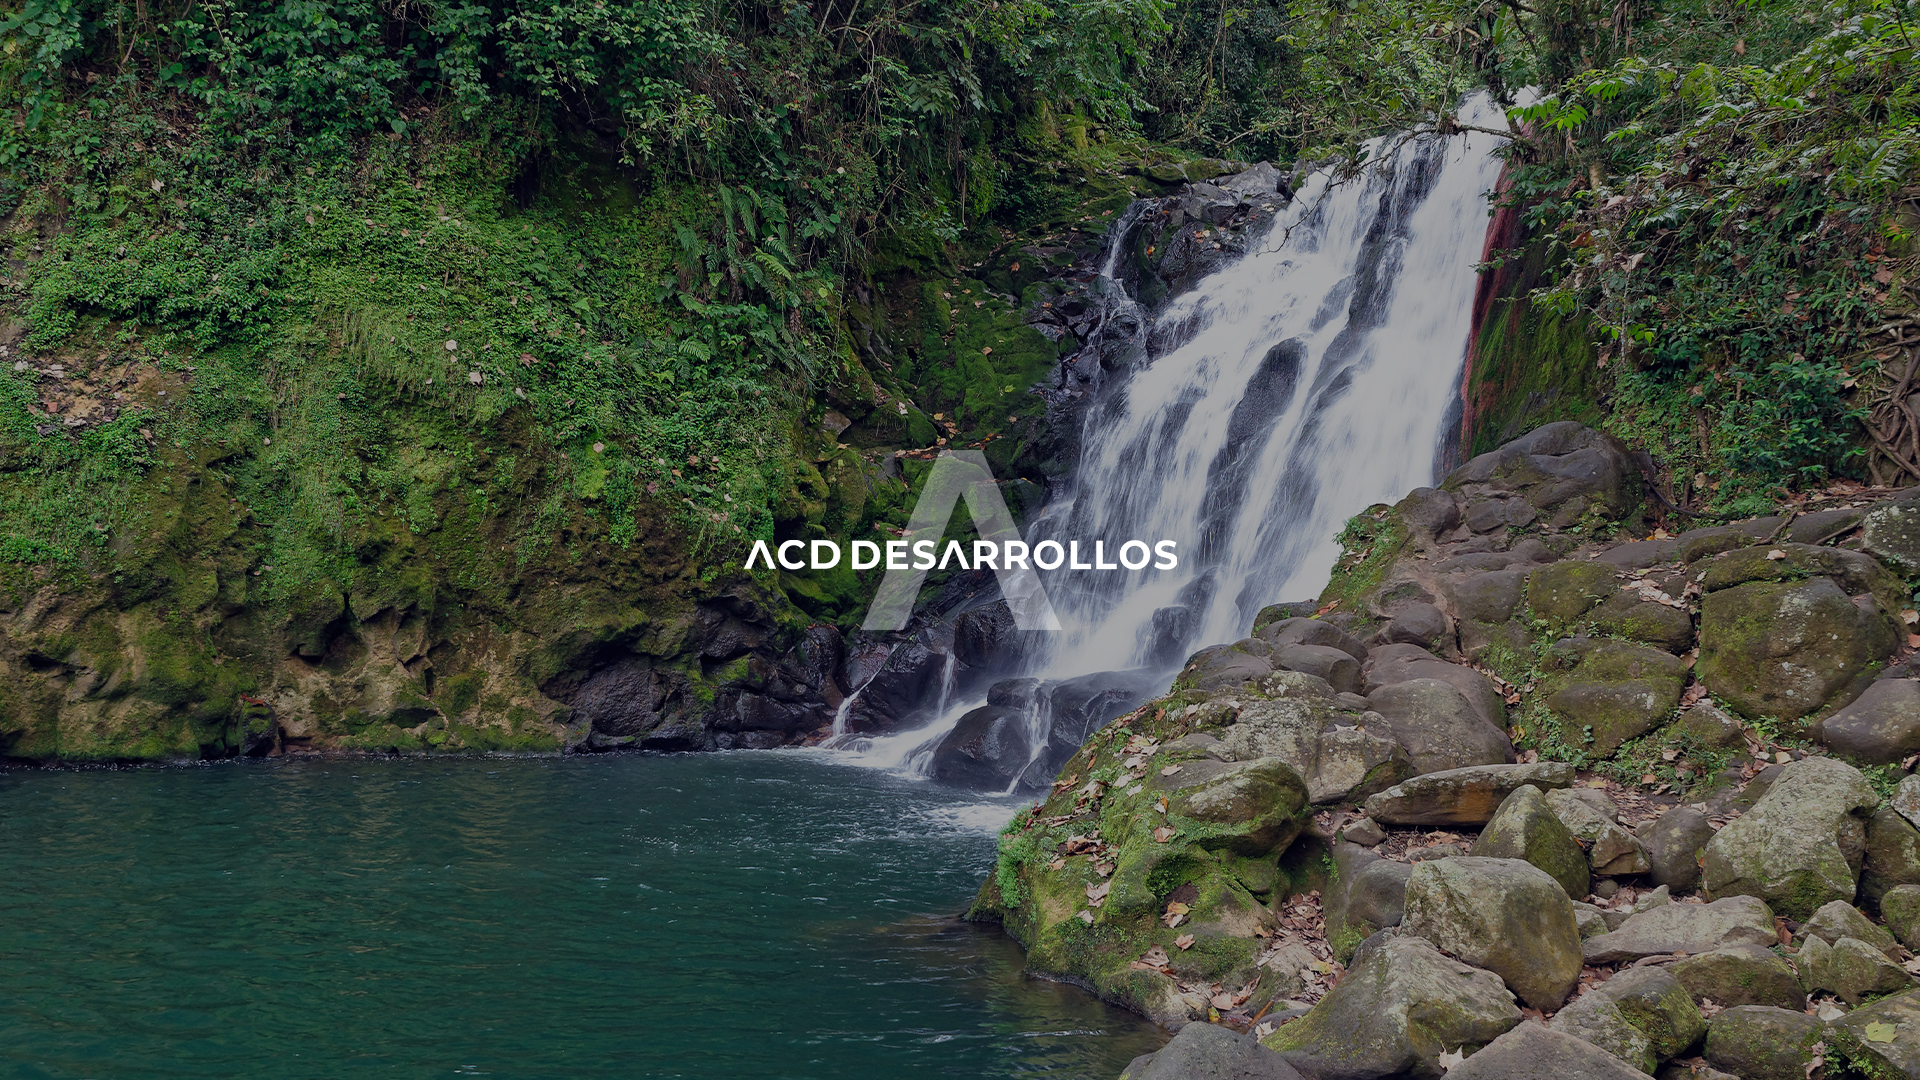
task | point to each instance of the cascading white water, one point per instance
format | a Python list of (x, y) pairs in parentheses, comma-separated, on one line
[(1316, 379)]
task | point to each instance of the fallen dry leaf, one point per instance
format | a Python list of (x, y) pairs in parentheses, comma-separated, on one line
[(1184, 941), (1450, 1058), (1163, 834), (1097, 894)]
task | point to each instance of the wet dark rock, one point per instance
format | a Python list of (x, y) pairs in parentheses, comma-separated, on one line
[(987, 750), (1171, 631)]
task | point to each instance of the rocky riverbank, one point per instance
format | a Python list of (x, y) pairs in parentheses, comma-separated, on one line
[(1532, 780)]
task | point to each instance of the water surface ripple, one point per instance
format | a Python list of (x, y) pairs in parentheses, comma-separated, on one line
[(735, 915)]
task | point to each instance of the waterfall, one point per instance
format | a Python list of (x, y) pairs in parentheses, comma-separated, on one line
[(1278, 397), (1310, 379)]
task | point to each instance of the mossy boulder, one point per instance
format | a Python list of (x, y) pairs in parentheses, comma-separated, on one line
[(1801, 845), (1401, 1004), (1759, 1042), (1642, 1015), (1901, 908), (1568, 589), (1882, 1040), (1790, 650), (1607, 692), (1854, 970), (1525, 828), (1505, 915), (1741, 975)]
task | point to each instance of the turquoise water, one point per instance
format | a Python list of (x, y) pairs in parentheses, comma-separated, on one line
[(736, 915)]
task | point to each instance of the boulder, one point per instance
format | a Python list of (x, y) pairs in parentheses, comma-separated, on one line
[(1564, 470), (1685, 928), (1629, 615), (1566, 590), (1374, 899), (1606, 692), (1300, 631), (1641, 1015), (1842, 920), (1801, 845), (986, 750), (1428, 514), (1257, 807), (1221, 667), (1791, 649), (1882, 1039), (1533, 1051), (1891, 531), (1708, 726), (1340, 669), (1401, 1004), (1298, 718), (1881, 725), (1758, 1042), (1462, 796), (1525, 828), (1491, 597), (1210, 1052), (1439, 727), (1420, 624), (1901, 908), (1906, 799), (1402, 662), (1741, 975), (1612, 851), (1675, 843), (1850, 968), (1505, 915)]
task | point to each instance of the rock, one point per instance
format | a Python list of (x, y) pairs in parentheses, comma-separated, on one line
[(1629, 615), (1375, 899), (1741, 975), (1655, 1005), (1428, 514), (1708, 726), (1567, 590), (1854, 572), (1842, 920), (1850, 968), (1612, 851), (1693, 1069), (1675, 843), (1524, 827), (1436, 851), (1757, 1042), (1257, 181), (1880, 726), (1219, 667), (1487, 598), (1420, 624), (1685, 928), (1297, 631), (1297, 717), (1341, 670), (1210, 1052), (1801, 845), (1532, 1051), (1882, 1039), (1906, 799), (1592, 920), (1901, 908), (1891, 531), (1563, 469), (1505, 915), (1599, 1021), (1439, 727), (1366, 832), (986, 750), (1400, 663), (1400, 1005), (1260, 805), (1462, 796), (1606, 692), (1789, 650)]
